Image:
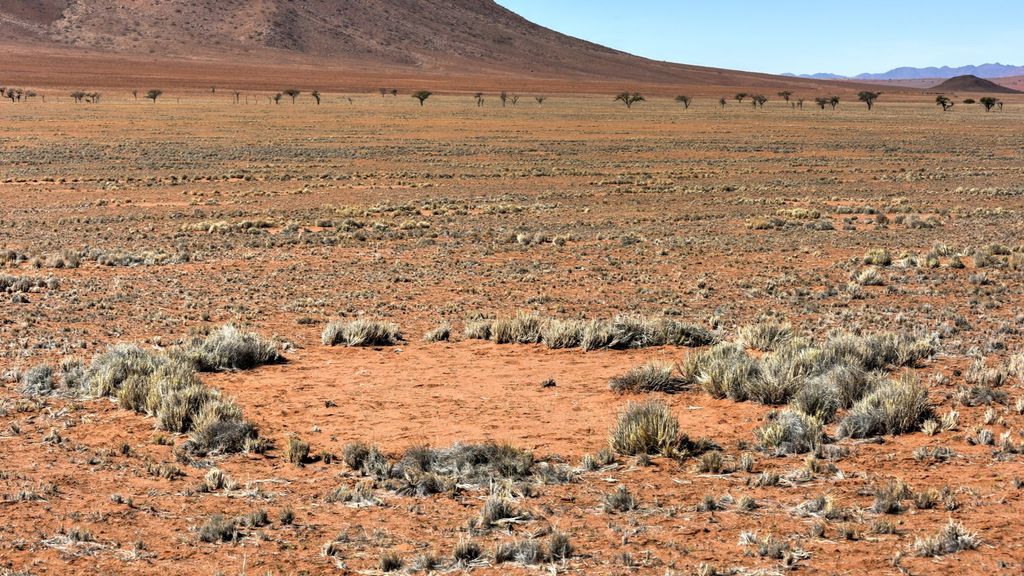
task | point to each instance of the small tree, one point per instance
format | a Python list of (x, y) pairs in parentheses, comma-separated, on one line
[(383, 92), (238, 96), (868, 98), (684, 100), (988, 102), (277, 98), (540, 100), (504, 98), (741, 97), (135, 94), (946, 103), (92, 97), (800, 103), (834, 101), (394, 91), (154, 94), (78, 96), (821, 101), (759, 100), (721, 101), (630, 98), (514, 99), (292, 93), (785, 95), (316, 96), (479, 99), (422, 96)]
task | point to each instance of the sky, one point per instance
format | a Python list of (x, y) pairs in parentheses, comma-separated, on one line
[(801, 37)]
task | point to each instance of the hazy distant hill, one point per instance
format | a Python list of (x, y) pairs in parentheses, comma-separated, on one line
[(907, 73)]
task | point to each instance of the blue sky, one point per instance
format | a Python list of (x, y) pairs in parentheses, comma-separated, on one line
[(795, 36)]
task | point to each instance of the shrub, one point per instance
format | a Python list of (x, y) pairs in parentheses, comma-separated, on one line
[(894, 407), (361, 333), (817, 398), (869, 277), (558, 334), (390, 561), (496, 510), (297, 451), (790, 432), (878, 257), (466, 551), (526, 552), (524, 328), (38, 380), (440, 334), (784, 373), (651, 377), (950, 540), (559, 546), (228, 348), (646, 428), (478, 330)]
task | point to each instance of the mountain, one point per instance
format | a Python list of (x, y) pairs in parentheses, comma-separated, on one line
[(47, 41), (907, 73), (972, 84)]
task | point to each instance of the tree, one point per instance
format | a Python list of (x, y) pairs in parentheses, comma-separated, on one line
[(630, 98), (514, 99), (821, 101), (479, 99), (277, 98), (741, 97), (721, 101), (785, 95), (685, 101), (834, 101), (238, 96), (422, 96), (800, 103), (759, 100), (135, 94), (540, 100), (292, 93), (383, 92), (504, 98), (154, 94), (394, 91), (78, 95), (92, 97), (868, 98), (316, 96), (988, 102), (946, 103)]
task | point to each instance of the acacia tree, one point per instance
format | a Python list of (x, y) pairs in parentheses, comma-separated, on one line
[(238, 96), (741, 97), (316, 96), (277, 98), (292, 93), (834, 101), (514, 99), (77, 96), (946, 103), (989, 103), (868, 98), (759, 100), (540, 100), (800, 103), (684, 100), (479, 99), (821, 101), (394, 91), (383, 92), (721, 101), (153, 95), (422, 96), (785, 95), (504, 98), (630, 98)]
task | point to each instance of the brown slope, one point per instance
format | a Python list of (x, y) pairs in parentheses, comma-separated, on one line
[(974, 84), (421, 37)]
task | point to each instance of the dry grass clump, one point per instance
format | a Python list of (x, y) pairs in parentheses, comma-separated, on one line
[(790, 432), (723, 371), (765, 336), (167, 388), (950, 540), (441, 333), (361, 333), (622, 332), (229, 348), (893, 407), (655, 376), (646, 428)]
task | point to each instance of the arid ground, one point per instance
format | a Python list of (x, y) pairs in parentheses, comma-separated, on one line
[(156, 224)]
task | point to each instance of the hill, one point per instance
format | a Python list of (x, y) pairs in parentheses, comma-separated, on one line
[(973, 84), (392, 38)]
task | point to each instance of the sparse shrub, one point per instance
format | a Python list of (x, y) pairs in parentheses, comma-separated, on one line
[(559, 546), (651, 377), (218, 528), (817, 398), (524, 328), (558, 334), (478, 330), (390, 561), (297, 451), (722, 371), (621, 500), (496, 510), (765, 336), (466, 551), (38, 380), (878, 257), (646, 428), (439, 334), (894, 407), (950, 540)]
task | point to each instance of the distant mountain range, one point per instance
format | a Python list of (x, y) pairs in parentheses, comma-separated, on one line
[(996, 70)]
